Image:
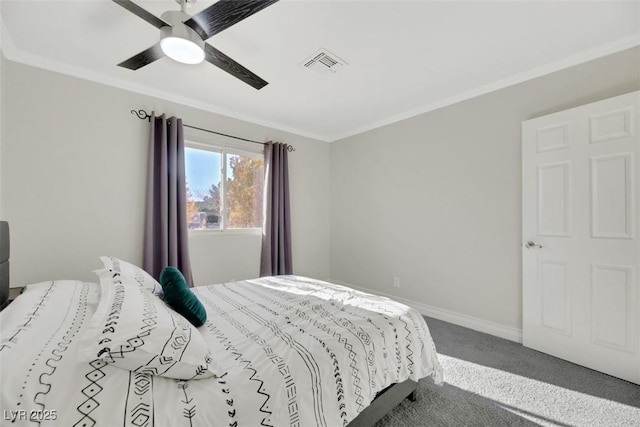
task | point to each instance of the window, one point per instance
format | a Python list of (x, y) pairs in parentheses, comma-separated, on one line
[(224, 188)]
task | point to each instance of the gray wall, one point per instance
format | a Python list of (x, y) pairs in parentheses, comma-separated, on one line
[(435, 199), (72, 178)]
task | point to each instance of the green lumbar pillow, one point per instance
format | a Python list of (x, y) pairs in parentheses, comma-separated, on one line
[(178, 295)]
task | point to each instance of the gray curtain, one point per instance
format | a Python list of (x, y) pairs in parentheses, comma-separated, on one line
[(165, 237), (276, 232)]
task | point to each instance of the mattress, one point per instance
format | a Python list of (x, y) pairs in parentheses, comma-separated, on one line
[(291, 351)]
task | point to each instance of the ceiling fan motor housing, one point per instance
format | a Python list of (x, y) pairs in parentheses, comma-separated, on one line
[(179, 30)]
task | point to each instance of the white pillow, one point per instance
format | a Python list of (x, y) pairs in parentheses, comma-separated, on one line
[(128, 269), (135, 330)]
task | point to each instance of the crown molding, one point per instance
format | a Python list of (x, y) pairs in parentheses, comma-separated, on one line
[(12, 53), (581, 58), (16, 55)]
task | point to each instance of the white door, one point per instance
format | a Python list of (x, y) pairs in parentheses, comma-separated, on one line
[(580, 229)]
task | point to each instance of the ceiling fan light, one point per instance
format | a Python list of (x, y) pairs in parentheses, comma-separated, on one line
[(182, 50)]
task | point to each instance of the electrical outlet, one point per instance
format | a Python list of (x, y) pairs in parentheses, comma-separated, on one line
[(396, 282)]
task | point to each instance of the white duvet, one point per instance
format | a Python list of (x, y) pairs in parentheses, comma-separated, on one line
[(295, 352)]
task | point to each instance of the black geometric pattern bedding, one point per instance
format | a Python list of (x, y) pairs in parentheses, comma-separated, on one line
[(135, 330), (293, 351)]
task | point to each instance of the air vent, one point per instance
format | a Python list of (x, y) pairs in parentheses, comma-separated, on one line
[(324, 61)]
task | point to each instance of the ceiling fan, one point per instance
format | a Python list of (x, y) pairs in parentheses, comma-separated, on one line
[(182, 37)]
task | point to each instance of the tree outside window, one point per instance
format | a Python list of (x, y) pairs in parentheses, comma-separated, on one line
[(227, 197)]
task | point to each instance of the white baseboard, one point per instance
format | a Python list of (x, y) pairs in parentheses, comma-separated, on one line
[(477, 324)]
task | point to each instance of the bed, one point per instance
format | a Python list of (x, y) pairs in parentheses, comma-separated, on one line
[(280, 351)]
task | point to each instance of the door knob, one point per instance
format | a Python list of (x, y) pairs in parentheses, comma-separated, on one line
[(531, 244)]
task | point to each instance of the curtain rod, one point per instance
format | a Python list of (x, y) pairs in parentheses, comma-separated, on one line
[(142, 115)]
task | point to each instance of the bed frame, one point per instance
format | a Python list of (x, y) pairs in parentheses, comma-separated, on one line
[(4, 264), (384, 402)]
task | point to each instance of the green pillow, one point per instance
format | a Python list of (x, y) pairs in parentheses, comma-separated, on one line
[(178, 295)]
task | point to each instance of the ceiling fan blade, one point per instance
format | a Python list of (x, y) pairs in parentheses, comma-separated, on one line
[(227, 64), (142, 13), (143, 58), (223, 14)]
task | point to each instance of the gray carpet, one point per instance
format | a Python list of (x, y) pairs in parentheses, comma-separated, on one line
[(490, 381)]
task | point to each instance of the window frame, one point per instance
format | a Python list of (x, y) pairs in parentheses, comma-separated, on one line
[(213, 143)]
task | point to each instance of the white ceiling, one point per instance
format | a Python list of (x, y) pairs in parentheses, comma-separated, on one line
[(404, 57)]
